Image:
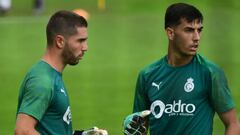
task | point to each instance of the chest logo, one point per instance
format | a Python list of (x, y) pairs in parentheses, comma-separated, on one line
[(156, 85), (176, 108), (63, 91), (189, 85), (67, 117)]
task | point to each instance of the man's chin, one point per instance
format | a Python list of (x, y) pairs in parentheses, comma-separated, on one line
[(193, 53), (73, 63)]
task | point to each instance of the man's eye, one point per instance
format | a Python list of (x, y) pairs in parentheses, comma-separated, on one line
[(189, 30)]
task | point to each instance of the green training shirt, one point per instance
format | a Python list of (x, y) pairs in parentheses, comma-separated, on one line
[(184, 99), (44, 97)]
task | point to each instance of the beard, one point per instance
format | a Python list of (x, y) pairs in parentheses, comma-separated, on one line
[(68, 56)]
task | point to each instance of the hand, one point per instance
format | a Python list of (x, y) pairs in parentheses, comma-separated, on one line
[(95, 131), (134, 123)]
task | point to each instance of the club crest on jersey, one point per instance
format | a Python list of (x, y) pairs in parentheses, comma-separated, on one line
[(189, 85)]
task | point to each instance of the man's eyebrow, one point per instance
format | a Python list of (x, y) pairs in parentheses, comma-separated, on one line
[(191, 28), (201, 28), (82, 39), (188, 28)]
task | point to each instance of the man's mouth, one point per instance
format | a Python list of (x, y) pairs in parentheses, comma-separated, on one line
[(194, 47)]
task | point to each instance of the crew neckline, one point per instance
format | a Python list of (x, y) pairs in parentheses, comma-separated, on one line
[(178, 67), (50, 66)]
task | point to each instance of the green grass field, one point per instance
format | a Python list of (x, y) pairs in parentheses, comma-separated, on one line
[(123, 39)]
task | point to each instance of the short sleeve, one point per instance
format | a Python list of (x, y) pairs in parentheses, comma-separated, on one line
[(36, 97), (220, 94), (140, 99)]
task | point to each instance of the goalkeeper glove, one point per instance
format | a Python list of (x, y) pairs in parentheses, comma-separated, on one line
[(92, 131), (134, 123)]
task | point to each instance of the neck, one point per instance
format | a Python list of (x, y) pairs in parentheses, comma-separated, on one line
[(177, 61), (53, 58)]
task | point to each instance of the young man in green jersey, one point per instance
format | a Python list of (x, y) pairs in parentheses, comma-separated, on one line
[(183, 90), (43, 104)]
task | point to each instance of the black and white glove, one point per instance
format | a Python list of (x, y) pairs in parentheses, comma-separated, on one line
[(134, 124), (92, 131)]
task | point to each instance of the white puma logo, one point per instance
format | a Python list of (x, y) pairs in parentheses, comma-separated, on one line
[(156, 85), (63, 91)]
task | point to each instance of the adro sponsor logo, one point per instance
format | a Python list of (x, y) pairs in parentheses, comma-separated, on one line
[(177, 108), (67, 117)]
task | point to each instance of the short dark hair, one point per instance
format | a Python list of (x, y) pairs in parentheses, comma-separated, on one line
[(178, 11), (63, 23)]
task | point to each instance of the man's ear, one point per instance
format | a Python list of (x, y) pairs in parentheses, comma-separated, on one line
[(170, 33), (59, 41)]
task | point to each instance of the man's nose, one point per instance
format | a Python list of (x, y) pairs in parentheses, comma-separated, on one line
[(196, 36), (85, 47)]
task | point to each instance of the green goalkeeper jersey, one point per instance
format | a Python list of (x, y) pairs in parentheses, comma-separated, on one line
[(44, 97), (184, 99)]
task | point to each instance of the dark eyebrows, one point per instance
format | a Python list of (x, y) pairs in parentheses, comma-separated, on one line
[(189, 29), (201, 28), (82, 39), (192, 29)]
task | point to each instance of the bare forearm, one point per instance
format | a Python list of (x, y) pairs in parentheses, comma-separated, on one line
[(25, 132), (233, 129), (25, 125), (230, 120)]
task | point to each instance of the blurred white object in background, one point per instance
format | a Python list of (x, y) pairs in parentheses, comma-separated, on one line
[(5, 5)]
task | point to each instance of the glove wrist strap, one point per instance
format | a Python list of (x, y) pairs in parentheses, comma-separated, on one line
[(78, 132)]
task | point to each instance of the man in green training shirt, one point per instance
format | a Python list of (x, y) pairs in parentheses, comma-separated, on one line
[(182, 90), (43, 104)]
